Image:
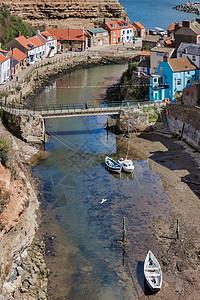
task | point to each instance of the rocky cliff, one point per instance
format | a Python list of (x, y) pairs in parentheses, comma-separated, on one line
[(66, 13)]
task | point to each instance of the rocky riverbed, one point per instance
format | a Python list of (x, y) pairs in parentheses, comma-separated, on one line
[(177, 165)]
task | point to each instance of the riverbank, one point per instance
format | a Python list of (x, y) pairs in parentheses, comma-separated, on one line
[(34, 78), (179, 258), (23, 272)]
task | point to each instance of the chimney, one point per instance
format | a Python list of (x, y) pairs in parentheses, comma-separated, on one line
[(186, 23), (37, 31), (165, 57), (176, 27), (198, 20)]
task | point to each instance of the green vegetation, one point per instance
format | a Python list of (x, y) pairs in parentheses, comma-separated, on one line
[(18, 88), (11, 25), (153, 113), (147, 47), (3, 152)]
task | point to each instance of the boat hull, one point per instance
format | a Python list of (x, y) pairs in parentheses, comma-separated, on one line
[(127, 165), (152, 272), (112, 165)]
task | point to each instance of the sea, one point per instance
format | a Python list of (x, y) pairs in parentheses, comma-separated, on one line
[(157, 13)]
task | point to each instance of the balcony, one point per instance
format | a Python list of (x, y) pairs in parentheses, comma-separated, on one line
[(160, 86)]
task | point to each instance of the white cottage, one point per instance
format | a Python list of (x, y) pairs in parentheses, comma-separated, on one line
[(4, 68)]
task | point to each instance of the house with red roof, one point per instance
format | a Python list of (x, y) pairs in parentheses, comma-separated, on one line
[(4, 66), (25, 46), (18, 61), (39, 47), (172, 28), (70, 39), (140, 29), (119, 31), (49, 41)]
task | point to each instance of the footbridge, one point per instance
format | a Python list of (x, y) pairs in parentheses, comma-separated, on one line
[(75, 109)]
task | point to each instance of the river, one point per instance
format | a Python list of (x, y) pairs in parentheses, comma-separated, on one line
[(155, 13), (81, 233)]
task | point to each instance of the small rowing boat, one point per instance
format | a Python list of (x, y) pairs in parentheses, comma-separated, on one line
[(112, 165), (127, 165), (152, 272)]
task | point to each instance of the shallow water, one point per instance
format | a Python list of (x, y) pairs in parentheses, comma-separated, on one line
[(81, 234)]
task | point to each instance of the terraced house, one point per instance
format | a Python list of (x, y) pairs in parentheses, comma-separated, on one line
[(4, 67), (172, 77), (119, 32)]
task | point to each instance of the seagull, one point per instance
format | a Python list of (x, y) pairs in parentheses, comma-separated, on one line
[(103, 200)]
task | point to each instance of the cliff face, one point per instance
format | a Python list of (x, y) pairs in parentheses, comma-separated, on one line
[(66, 13)]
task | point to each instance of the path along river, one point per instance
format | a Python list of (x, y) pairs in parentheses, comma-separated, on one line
[(81, 234)]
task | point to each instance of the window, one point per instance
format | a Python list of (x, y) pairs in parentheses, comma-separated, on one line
[(94, 42), (155, 80), (95, 34), (114, 40), (193, 58), (178, 81), (127, 31), (180, 55), (106, 40), (123, 31), (188, 81), (161, 69), (114, 33), (179, 74), (159, 54)]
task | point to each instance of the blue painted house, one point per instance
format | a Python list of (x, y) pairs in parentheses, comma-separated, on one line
[(172, 77)]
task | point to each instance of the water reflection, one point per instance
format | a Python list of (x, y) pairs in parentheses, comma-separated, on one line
[(85, 259)]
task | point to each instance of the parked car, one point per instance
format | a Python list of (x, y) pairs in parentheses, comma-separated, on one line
[(152, 32), (160, 31)]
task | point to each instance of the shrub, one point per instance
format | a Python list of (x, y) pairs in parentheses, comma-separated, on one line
[(3, 152)]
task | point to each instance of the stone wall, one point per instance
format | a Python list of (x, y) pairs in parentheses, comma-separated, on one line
[(30, 129), (184, 122), (191, 95), (132, 120), (62, 13)]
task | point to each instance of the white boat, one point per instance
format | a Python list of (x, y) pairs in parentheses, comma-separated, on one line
[(127, 165), (112, 165), (152, 272)]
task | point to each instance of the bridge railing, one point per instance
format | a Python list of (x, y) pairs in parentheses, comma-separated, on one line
[(53, 108)]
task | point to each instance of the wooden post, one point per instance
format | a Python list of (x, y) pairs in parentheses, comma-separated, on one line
[(182, 130), (177, 230), (124, 231)]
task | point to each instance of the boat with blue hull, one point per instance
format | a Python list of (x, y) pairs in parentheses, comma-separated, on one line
[(112, 165)]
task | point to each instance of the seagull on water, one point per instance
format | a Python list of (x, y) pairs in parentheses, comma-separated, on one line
[(103, 200)]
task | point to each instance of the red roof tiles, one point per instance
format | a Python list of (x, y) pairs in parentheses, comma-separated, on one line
[(36, 41), (139, 25), (65, 34), (16, 53), (3, 58), (24, 42)]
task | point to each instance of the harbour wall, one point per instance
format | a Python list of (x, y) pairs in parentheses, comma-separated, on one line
[(183, 121)]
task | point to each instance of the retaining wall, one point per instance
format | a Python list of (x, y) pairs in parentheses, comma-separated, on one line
[(184, 121)]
